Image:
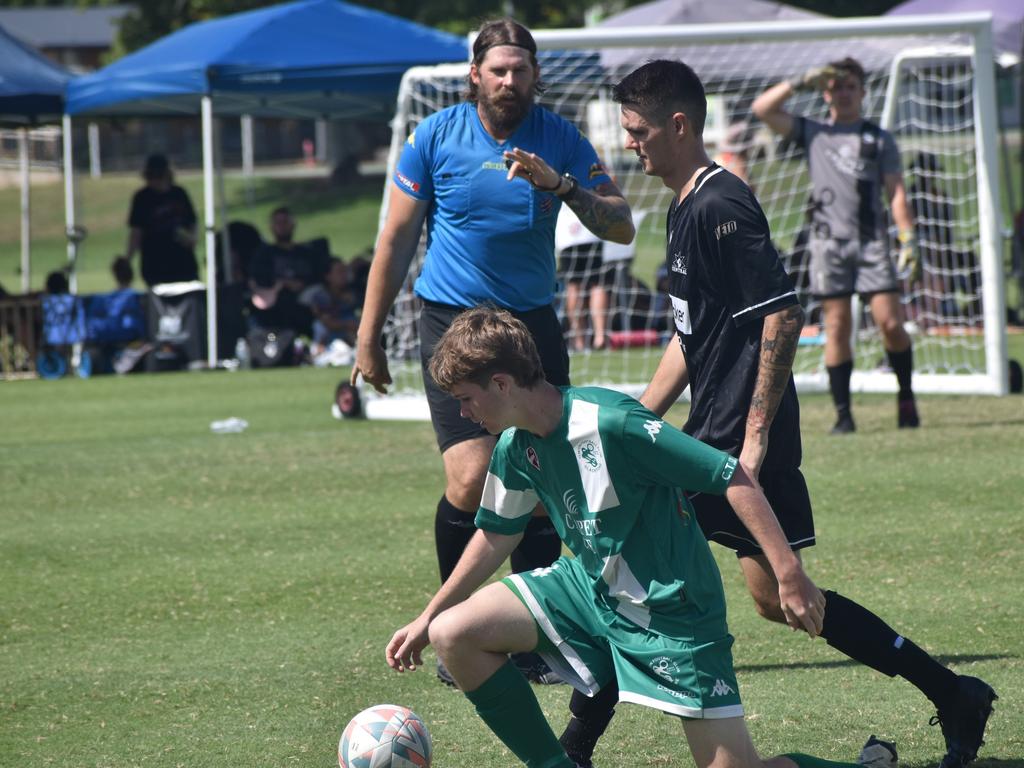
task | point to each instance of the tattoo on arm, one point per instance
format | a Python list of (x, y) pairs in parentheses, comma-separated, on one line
[(603, 211), (778, 350)]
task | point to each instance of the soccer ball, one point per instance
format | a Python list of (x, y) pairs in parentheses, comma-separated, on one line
[(385, 736)]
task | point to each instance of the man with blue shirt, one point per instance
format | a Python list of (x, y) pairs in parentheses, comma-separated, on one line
[(488, 177)]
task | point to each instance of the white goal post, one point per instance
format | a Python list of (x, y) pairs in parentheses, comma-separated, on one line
[(930, 81)]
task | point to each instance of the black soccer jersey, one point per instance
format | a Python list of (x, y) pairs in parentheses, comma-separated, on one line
[(725, 276)]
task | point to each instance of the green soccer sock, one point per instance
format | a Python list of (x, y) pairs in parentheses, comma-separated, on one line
[(810, 761), (508, 706)]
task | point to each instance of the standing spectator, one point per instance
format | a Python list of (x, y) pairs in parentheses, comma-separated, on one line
[(737, 323), (851, 162), (641, 599), (581, 264), (488, 176), (162, 226), (734, 151)]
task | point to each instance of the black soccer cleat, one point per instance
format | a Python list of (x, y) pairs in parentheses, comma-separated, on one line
[(844, 425), (878, 753), (535, 669), (907, 417), (444, 675), (963, 721)]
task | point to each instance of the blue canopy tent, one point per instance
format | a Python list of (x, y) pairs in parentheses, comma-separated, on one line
[(308, 59), (31, 93), (31, 86)]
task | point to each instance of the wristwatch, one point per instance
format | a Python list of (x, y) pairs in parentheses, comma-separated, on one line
[(573, 186)]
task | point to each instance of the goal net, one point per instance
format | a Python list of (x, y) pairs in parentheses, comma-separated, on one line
[(924, 83)]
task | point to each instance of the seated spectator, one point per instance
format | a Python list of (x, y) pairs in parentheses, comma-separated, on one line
[(124, 275), (116, 318), (63, 318), (359, 273), (335, 311), (245, 240), (279, 272), (57, 283)]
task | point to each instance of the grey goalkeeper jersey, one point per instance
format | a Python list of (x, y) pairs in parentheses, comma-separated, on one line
[(611, 476), (848, 164)]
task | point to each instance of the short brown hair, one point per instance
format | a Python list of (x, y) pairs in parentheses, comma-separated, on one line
[(505, 31), (849, 66), (481, 342), (662, 87)]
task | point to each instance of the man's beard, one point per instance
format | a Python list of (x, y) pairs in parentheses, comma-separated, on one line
[(506, 110)]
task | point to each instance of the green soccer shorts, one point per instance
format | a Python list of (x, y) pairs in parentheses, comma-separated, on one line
[(590, 645)]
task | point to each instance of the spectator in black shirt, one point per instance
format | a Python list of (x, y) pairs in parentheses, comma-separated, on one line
[(279, 272), (162, 226)]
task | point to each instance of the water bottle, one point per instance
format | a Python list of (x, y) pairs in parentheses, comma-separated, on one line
[(228, 426), (242, 353)]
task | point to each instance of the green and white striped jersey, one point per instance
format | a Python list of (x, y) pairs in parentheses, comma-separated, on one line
[(611, 477)]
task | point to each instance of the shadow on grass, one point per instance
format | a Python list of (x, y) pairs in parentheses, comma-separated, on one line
[(981, 762), (981, 424), (947, 659)]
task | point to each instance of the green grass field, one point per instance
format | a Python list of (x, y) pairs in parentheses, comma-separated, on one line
[(173, 597)]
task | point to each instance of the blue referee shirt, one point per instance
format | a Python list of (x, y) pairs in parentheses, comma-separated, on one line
[(489, 239)]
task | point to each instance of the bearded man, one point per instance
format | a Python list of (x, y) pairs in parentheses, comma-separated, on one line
[(488, 176)]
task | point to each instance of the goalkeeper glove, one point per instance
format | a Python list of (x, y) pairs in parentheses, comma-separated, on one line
[(909, 260), (815, 79)]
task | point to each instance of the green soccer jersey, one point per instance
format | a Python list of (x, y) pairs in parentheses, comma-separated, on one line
[(611, 476)]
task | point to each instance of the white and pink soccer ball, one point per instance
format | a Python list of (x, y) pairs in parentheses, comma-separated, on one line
[(385, 736)]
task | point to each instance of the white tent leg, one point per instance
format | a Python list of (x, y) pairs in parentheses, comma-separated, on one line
[(210, 238), (69, 203), (222, 202), (26, 212), (247, 152), (95, 165)]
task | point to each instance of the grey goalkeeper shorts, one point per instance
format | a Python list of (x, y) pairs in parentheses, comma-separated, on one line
[(845, 267)]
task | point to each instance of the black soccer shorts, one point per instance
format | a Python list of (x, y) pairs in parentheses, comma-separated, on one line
[(786, 491), (449, 425)]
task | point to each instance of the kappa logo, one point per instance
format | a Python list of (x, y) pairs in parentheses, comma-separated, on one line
[(653, 428), (531, 456), (726, 229), (590, 455), (722, 688), (679, 263), (411, 141)]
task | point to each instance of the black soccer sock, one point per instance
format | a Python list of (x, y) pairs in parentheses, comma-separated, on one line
[(539, 548), (453, 529), (903, 366), (839, 385), (590, 719), (861, 635)]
